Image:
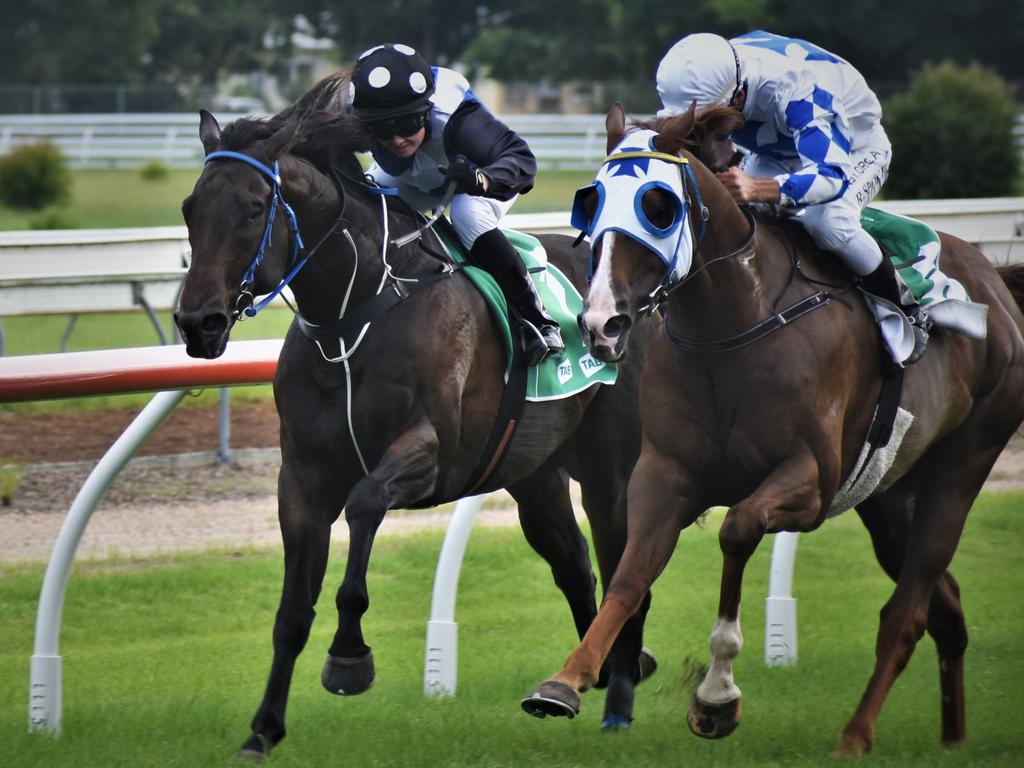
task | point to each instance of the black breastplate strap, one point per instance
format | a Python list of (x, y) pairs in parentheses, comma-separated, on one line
[(758, 332), (395, 292)]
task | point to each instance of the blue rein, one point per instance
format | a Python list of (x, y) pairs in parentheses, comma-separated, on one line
[(276, 198)]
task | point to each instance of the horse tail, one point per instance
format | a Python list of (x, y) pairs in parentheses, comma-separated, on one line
[(1013, 276)]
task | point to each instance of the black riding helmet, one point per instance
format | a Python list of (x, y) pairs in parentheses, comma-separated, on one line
[(390, 81)]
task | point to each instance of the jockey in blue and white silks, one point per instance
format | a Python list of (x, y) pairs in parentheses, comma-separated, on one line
[(815, 144)]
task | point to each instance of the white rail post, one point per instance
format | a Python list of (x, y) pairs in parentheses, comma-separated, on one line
[(440, 673), (780, 605), (45, 705)]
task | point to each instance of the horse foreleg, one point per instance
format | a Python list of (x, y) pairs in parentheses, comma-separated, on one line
[(306, 511), (628, 663), (789, 498), (406, 473), (658, 512)]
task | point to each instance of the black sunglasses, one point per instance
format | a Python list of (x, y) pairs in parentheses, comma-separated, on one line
[(404, 127)]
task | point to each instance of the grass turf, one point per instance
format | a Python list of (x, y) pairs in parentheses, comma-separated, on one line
[(165, 660)]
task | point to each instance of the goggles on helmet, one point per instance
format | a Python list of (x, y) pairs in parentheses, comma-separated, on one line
[(404, 126)]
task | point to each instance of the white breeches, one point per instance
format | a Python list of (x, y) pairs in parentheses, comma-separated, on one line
[(835, 226)]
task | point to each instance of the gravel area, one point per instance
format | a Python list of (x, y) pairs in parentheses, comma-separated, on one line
[(175, 497)]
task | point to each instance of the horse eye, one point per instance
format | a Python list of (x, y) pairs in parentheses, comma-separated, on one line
[(186, 208), (659, 209), (255, 212), (590, 205)]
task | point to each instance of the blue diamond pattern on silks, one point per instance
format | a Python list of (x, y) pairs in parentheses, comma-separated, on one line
[(631, 166), (781, 45)]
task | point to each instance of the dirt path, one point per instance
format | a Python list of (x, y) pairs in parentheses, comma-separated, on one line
[(177, 502)]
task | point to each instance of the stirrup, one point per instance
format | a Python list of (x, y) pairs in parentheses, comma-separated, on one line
[(920, 323), (540, 343)]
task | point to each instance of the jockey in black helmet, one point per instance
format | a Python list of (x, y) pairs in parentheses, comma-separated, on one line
[(431, 130)]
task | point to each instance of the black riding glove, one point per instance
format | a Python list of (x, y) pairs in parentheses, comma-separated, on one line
[(468, 180)]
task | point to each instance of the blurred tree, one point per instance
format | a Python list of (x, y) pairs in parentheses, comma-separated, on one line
[(200, 40), (439, 31), (887, 41), (88, 41), (952, 135)]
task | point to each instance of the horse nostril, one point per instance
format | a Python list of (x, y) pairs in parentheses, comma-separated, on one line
[(616, 326), (213, 324)]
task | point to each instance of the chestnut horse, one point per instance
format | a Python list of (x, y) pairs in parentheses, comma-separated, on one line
[(771, 425), (401, 414)]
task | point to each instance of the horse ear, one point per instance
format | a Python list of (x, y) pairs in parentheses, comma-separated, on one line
[(676, 130), (280, 142), (615, 125), (209, 131)]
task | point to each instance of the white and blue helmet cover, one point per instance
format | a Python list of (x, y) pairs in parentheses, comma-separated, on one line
[(621, 184)]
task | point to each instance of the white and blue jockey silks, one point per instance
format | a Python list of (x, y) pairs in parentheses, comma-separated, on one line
[(633, 168), (808, 110)]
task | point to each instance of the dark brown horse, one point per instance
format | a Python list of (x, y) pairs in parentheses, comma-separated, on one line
[(401, 416), (772, 426)]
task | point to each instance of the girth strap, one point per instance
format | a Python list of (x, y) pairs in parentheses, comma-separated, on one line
[(510, 411), (758, 332)]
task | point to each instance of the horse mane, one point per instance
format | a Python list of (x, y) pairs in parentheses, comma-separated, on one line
[(326, 134), (710, 125)]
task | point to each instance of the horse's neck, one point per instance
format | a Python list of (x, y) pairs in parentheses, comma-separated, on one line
[(727, 293), (320, 286), (348, 267)]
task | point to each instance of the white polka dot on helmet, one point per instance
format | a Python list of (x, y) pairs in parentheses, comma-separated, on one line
[(390, 81)]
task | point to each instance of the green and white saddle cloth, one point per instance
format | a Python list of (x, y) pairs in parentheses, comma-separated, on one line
[(555, 377), (913, 247)]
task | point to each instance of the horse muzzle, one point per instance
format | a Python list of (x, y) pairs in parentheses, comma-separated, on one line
[(205, 333), (605, 336)]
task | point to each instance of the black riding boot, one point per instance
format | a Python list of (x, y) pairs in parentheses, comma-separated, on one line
[(883, 283), (541, 336)]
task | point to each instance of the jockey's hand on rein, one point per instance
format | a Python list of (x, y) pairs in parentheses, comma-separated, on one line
[(468, 180)]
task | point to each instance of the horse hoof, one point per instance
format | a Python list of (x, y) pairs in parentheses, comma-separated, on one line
[(348, 677), (854, 743), (255, 749), (616, 725), (646, 665), (713, 721), (552, 698)]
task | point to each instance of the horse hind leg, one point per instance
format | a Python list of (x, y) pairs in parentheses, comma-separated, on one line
[(549, 524), (887, 520), (406, 473)]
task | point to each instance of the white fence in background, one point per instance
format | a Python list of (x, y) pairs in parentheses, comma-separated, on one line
[(125, 140), (91, 270), (129, 140)]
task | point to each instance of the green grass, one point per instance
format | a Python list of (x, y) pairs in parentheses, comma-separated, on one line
[(165, 660), (102, 199)]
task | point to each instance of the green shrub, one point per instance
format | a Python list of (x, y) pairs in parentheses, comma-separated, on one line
[(33, 176), (154, 170), (55, 219), (952, 135)]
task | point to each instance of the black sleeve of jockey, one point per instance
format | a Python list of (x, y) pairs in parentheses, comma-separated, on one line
[(493, 147)]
